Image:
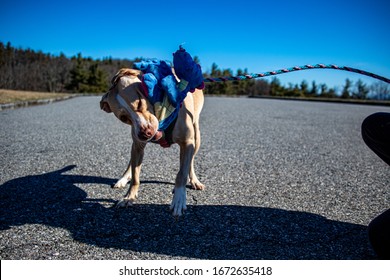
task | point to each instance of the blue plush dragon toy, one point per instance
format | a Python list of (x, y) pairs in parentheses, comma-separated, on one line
[(163, 90)]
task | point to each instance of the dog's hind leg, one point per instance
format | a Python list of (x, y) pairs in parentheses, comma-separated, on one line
[(184, 135), (198, 105), (195, 183), (137, 154)]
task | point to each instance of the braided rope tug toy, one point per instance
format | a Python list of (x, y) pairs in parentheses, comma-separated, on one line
[(292, 69)]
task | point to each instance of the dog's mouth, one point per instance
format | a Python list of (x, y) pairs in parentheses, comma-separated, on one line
[(157, 136)]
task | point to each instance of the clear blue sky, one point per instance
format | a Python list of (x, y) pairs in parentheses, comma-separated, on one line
[(257, 35)]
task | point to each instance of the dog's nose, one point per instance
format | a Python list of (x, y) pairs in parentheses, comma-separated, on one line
[(146, 133)]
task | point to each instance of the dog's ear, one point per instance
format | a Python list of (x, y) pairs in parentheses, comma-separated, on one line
[(124, 72), (104, 104)]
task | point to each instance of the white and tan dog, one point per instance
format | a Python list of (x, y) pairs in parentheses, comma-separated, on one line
[(127, 101)]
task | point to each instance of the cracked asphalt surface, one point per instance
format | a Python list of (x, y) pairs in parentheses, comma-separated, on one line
[(284, 180)]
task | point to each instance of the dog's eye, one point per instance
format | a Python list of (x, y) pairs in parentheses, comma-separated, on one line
[(123, 118)]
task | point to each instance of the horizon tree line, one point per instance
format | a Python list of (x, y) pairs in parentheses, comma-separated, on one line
[(26, 69)]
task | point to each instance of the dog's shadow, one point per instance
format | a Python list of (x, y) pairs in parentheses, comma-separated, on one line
[(206, 231)]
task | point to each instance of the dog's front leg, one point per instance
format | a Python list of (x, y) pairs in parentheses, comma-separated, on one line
[(137, 154), (179, 201)]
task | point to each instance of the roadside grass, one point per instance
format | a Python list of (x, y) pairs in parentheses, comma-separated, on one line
[(15, 96)]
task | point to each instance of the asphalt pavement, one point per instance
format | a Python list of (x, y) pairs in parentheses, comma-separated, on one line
[(284, 180)]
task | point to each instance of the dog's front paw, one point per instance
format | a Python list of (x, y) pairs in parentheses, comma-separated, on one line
[(121, 183), (124, 203), (178, 205)]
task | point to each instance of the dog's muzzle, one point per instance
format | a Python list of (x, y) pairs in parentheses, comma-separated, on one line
[(146, 132)]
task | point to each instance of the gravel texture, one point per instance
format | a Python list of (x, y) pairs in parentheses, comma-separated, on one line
[(284, 180)]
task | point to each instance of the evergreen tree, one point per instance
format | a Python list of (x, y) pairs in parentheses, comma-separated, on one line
[(361, 90), (78, 75), (276, 88), (97, 81), (217, 88), (314, 90), (304, 87), (346, 89), (87, 77), (323, 90), (241, 87), (292, 90)]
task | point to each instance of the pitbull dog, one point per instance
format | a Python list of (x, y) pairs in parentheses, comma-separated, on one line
[(127, 101)]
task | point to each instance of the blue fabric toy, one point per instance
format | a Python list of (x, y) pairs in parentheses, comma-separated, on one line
[(187, 70), (162, 89)]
